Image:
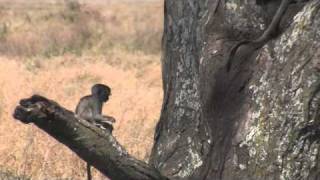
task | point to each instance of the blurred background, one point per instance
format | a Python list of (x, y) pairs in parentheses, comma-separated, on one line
[(59, 49)]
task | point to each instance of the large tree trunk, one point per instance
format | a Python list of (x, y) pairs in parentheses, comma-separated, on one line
[(259, 120), (243, 123)]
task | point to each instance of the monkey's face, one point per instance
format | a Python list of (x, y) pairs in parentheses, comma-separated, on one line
[(102, 91), (104, 96)]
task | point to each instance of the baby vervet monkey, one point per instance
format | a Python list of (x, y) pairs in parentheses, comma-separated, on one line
[(90, 107)]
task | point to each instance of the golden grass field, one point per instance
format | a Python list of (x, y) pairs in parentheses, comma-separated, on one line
[(59, 51)]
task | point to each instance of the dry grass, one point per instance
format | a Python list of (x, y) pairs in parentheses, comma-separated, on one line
[(118, 57), (57, 29)]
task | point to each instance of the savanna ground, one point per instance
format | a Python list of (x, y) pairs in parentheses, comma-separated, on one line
[(59, 49)]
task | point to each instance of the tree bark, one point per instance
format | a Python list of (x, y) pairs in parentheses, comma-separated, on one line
[(260, 120)]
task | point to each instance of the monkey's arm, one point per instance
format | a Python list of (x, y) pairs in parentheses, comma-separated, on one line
[(94, 145), (98, 117), (97, 114), (103, 119), (109, 118)]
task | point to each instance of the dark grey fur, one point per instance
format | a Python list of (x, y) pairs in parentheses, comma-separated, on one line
[(90, 109)]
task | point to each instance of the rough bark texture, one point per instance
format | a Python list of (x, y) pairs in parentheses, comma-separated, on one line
[(260, 120), (252, 122)]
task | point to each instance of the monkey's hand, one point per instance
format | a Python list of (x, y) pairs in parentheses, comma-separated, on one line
[(105, 122), (109, 118)]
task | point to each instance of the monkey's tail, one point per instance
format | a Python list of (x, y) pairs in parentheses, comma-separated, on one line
[(89, 175), (233, 52)]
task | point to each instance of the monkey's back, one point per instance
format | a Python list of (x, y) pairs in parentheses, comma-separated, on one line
[(84, 107)]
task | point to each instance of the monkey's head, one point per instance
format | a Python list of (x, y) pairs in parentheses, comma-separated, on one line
[(101, 91)]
